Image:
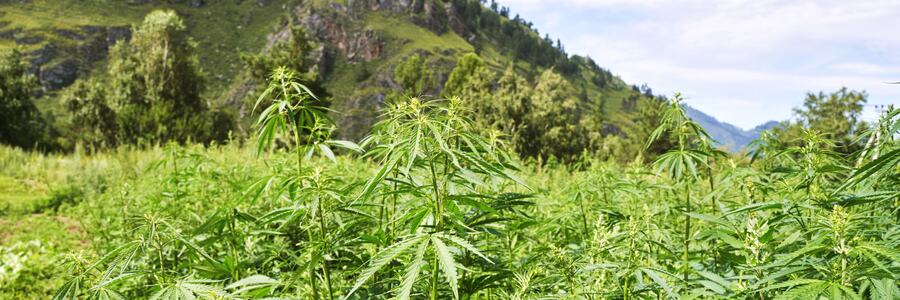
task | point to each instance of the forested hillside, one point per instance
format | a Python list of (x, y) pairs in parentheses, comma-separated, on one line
[(354, 53)]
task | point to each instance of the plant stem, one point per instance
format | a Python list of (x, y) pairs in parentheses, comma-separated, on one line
[(712, 188), (438, 216), (324, 237), (687, 232), (312, 267), (299, 150)]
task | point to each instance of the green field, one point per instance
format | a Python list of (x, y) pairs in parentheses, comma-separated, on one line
[(227, 221)]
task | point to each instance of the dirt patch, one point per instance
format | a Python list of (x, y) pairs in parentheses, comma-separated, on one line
[(60, 230), (74, 228), (4, 234)]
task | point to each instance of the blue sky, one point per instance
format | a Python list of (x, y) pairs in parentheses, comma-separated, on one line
[(743, 62)]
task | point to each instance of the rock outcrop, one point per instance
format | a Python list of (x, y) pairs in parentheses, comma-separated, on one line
[(59, 61)]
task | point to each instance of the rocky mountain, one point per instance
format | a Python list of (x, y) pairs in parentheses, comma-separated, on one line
[(729, 136)]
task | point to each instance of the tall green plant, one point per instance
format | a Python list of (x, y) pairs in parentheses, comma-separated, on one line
[(684, 164), (294, 111), (432, 148)]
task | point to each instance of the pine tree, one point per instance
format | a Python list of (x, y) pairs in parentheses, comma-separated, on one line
[(20, 121), (512, 97), (471, 80), (553, 119)]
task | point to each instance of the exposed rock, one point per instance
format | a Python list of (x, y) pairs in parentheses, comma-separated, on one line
[(89, 45), (337, 7), (453, 20), (115, 34), (59, 75), (29, 39), (69, 34), (92, 49), (385, 80), (611, 129), (355, 45), (10, 34), (386, 5), (431, 16), (196, 3), (88, 29), (43, 55)]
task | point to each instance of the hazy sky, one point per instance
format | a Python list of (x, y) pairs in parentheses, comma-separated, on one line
[(743, 62)]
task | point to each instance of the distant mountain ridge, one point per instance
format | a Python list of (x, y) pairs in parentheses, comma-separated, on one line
[(732, 137)]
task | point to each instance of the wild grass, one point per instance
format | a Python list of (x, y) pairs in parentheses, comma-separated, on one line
[(426, 207)]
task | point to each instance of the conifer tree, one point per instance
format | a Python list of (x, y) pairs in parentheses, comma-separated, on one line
[(512, 97), (20, 123), (553, 119), (471, 80)]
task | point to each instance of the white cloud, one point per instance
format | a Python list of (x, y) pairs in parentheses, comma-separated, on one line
[(866, 68), (729, 55)]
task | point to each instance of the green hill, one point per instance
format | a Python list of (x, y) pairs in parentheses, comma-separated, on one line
[(67, 39), (361, 43)]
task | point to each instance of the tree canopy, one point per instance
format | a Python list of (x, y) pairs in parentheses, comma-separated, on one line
[(22, 124)]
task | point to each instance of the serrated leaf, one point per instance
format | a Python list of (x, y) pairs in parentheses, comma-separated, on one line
[(448, 265)]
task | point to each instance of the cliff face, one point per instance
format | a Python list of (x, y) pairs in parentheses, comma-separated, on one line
[(68, 39), (362, 41), (71, 53)]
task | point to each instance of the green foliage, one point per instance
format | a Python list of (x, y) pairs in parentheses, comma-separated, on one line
[(155, 82), (433, 210), (153, 93), (510, 101), (414, 76), (22, 124), (437, 208), (92, 119), (522, 41), (222, 29), (548, 120), (553, 120), (835, 115), (295, 54), (437, 157), (470, 79), (292, 110)]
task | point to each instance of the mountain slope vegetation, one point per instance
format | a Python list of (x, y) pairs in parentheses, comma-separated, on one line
[(358, 46)]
